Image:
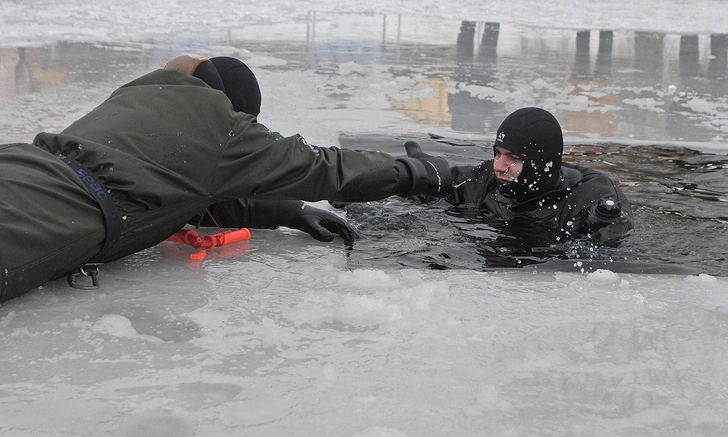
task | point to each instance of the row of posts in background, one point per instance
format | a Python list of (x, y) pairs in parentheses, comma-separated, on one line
[(594, 51), (604, 76), (650, 51)]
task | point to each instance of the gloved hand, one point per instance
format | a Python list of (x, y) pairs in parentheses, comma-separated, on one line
[(270, 214), (421, 173), (322, 225)]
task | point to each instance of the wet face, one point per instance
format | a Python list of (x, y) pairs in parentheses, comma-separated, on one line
[(507, 165)]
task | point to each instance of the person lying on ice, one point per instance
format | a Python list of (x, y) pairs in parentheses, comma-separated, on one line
[(160, 150), (526, 184)]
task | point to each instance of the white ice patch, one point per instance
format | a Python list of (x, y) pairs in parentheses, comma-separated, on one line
[(119, 326), (367, 279), (482, 92), (539, 84), (5, 321), (601, 275), (701, 280), (368, 298), (645, 103)]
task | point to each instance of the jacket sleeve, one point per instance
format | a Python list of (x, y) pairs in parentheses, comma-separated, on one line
[(247, 213), (258, 163)]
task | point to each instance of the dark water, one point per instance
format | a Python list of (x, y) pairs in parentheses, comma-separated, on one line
[(678, 198)]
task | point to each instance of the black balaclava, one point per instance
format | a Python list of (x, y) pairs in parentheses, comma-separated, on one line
[(207, 72), (535, 136), (240, 83), (226, 74)]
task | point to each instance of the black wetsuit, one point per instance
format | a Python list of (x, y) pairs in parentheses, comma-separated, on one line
[(584, 202)]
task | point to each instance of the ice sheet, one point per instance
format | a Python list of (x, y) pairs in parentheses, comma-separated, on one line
[(281, 338)]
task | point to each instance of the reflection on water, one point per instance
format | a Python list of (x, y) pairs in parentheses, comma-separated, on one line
[(466, 76), (36, 69), (601, 83), (678, 197), (46, 88)]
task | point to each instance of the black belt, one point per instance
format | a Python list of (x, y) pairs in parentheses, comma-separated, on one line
[(101, 194)]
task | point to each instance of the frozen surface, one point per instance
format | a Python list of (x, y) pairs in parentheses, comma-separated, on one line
[(287, 336), (284, 339), (107, 20)]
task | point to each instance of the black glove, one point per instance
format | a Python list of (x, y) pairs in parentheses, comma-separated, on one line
[(320, 224), (421, 173), (269, 214)]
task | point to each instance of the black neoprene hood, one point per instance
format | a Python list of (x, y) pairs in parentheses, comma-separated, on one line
[(241, 86), (535, 136)]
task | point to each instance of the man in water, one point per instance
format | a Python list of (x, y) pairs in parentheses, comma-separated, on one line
[(527, 185)]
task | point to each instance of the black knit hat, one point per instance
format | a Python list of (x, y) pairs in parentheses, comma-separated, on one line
[(240, 84), (535, 136)]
